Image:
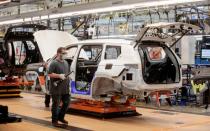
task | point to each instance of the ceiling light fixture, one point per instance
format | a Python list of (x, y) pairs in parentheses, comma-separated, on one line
[(106, 9), (11, 21), (124, 7), (45, 17), (36, 18), (27, 20), (4, 1)]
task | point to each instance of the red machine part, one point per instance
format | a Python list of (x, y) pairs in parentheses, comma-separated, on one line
[(10, 87)]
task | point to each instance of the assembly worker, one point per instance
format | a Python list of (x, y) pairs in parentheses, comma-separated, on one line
[(59, 88)]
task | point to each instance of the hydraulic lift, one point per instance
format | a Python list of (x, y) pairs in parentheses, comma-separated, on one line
[(103, 109), (11, 87)]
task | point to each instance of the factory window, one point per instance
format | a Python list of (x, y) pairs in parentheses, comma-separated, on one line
[(112, 52)]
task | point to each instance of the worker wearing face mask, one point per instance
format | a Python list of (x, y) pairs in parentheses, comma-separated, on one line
[(58, 68)]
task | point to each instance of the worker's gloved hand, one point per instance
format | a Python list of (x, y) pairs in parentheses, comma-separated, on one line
[(62, 76)]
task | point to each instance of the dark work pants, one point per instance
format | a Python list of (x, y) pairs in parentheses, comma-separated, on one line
[(47, 100), (59, 113), (207, 94)]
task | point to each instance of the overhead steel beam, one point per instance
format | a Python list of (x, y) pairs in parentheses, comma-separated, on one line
[(88, 6), (21, 2)]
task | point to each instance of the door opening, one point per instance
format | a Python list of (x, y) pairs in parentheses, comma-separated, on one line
[(87, 64), (160, 65)]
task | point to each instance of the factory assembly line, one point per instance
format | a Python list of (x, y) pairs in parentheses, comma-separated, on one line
[(105, 65), (108, 75)]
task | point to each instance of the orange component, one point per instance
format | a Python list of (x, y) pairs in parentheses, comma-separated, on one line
[(131, 101), (10, 82), (100, 107), (163, 92), (42, 80), (10, 87), (159, 93), (4, 83), (15, 82), (27, 83)]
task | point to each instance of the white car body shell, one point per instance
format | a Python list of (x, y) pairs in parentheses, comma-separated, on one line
[(129, 61)]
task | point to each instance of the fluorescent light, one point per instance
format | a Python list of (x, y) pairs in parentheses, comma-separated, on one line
[(164, 2), (35, 18), (124, 7), (5, 1), (27, 20), (67, 14), (107, 9), (44, 17), (11, 21), (14, 21), (55, 16)]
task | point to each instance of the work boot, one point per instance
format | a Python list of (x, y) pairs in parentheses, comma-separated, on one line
[(56, 124), (63, 121), (47, 105)]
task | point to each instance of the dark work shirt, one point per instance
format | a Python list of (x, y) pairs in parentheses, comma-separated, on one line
[(59, 67)]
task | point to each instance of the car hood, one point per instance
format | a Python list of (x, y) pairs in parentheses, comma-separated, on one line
[(50, 40)]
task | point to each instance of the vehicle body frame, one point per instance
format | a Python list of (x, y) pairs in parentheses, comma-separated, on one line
[(130, 71)]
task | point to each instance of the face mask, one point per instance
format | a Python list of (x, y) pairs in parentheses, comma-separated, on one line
[(63, 57)]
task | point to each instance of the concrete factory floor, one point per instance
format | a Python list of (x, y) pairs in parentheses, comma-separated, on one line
[(37, 117)]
